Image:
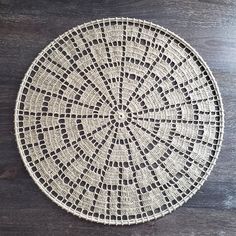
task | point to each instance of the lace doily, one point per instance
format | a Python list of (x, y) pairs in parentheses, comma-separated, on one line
[(119, 121)]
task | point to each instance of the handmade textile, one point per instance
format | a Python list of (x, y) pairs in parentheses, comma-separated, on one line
[(119, 121)]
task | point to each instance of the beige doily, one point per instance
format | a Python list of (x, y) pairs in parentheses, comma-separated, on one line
[(119, 121)]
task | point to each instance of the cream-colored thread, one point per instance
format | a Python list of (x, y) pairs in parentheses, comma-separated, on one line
[(119, 121)]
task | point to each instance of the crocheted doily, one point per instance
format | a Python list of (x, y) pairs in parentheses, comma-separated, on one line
[(119, 121)]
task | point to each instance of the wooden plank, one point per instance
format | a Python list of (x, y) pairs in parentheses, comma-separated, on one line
[(199, 222)]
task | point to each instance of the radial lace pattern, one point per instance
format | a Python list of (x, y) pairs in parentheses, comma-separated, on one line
[(119, 121)]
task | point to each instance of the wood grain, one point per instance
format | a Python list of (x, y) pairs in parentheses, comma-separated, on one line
[(26, 27)]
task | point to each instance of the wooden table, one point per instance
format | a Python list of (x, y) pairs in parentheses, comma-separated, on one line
[(27, 26)]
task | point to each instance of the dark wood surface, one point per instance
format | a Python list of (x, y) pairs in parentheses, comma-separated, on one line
[(27, 26)]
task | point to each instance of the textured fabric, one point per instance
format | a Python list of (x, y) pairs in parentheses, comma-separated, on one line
[(119, 121)]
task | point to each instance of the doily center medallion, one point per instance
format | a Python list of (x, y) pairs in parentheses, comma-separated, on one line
[(119, 121)]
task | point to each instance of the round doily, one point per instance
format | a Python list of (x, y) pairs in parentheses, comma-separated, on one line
[(119, 121)]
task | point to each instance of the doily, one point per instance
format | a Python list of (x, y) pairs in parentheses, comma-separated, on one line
[(119, 121)]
